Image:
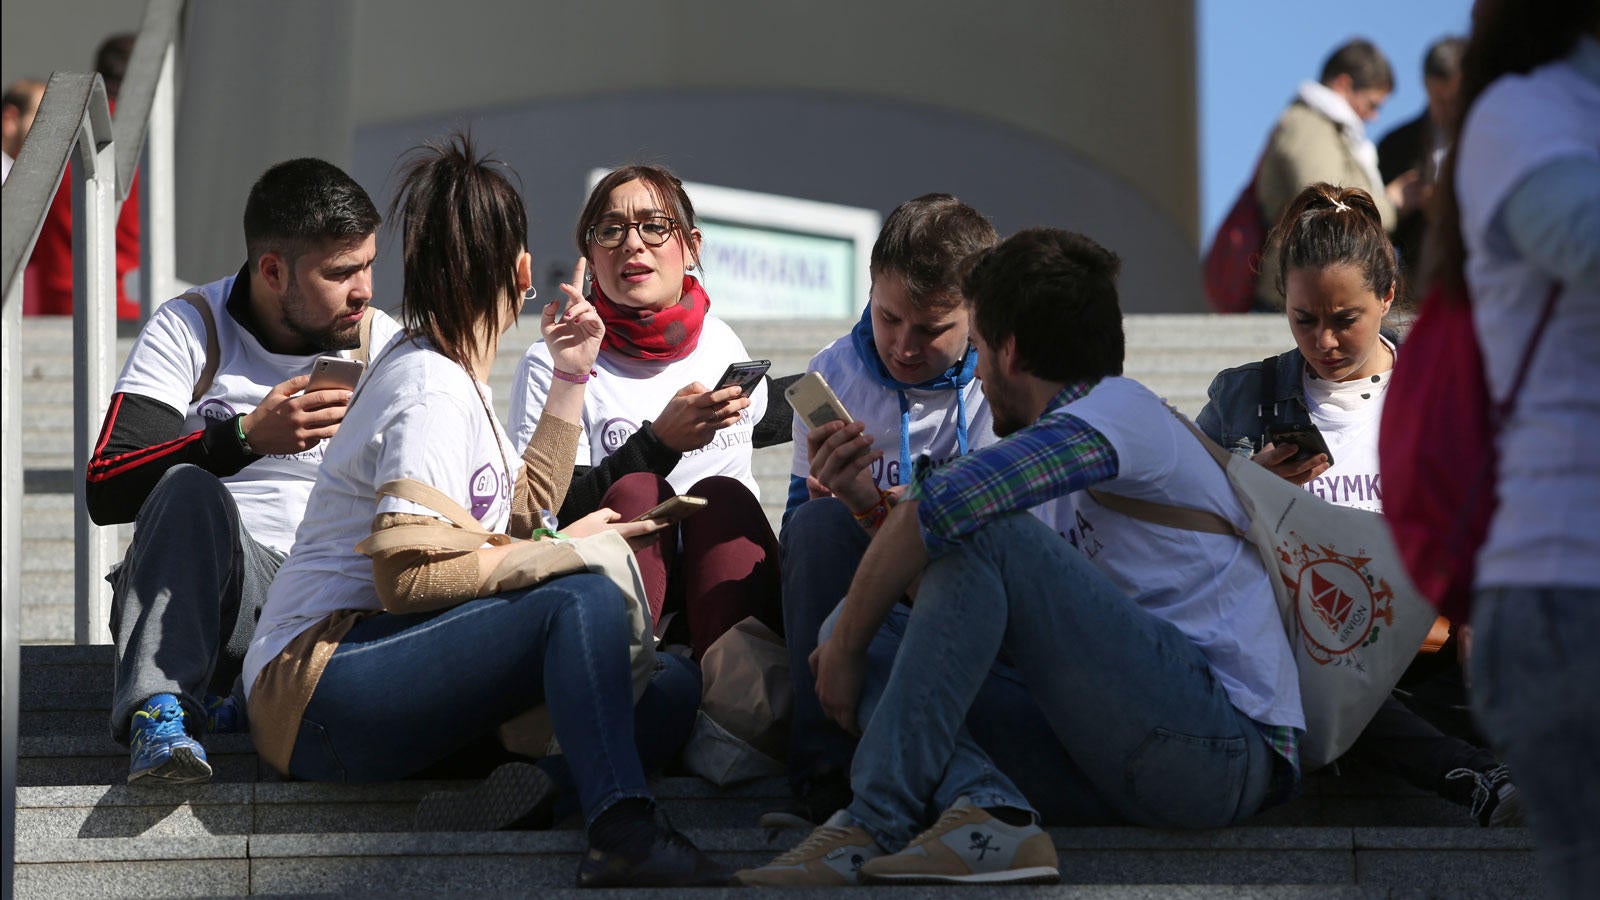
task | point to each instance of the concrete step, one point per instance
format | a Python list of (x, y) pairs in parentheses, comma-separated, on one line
[(1302, 862)]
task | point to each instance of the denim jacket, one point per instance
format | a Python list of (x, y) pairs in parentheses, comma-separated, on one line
[(1233, 416)]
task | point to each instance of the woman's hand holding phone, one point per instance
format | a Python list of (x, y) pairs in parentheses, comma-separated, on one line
[(694, 415), (572, 327), (639, 534), (1280, 461)]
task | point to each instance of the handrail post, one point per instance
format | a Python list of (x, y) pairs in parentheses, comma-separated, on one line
[(94, 347), (158, 268), (10, 568)]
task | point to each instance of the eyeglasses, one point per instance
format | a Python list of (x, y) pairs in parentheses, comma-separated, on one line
[(654, 231)]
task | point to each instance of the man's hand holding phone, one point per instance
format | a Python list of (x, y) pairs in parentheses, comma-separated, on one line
[(841, 458), (288, 421)]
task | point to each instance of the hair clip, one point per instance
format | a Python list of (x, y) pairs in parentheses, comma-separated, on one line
[(1339, 205)]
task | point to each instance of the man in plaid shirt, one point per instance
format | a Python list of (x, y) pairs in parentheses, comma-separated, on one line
[(1131, 673)]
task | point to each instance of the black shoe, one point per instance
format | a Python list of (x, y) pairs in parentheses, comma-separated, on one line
[(669, 861), (515, 795), (1495, 801)]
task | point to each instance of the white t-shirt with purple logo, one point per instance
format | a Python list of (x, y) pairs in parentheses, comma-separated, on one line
[(627, 391), (418, 416), (166, 363)]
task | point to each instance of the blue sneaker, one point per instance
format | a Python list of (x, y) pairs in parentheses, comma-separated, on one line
[(224, 715), (162, 751)]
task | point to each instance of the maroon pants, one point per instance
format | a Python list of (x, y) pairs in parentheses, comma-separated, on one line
[(717, 566)]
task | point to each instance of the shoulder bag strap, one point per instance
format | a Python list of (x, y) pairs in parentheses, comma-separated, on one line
[(209, 372), (1172, 516), (434, 499)]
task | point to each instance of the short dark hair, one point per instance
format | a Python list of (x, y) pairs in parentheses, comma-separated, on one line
[(1443, 59), (1331, 226), (111, 61), (463, 228), (297, 205), (925, 241), (666, 187), (1055, 293), (1363, 62)]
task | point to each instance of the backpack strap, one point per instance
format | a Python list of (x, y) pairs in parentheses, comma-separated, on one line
[(1269, 394), (209, 372), (363, 351)]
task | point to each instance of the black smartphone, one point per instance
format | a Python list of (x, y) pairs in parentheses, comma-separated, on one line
[(747, 375), (1306, 437)]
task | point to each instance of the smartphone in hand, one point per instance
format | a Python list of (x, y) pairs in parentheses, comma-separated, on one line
[(747, 375), (815, 402), (674, 509), (1306, 437), (329, 373)]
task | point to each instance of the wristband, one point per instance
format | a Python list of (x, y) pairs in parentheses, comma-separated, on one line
[(540, 534), (571, 378), (873, 518), (238, 427)]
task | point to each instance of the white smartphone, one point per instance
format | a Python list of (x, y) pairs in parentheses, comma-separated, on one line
[(674, 509), (330, 373), (815, 402)]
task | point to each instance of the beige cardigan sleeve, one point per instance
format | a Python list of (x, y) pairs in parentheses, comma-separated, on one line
[(546, 472)]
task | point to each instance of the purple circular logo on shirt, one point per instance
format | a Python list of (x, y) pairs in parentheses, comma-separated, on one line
[(483, 488), (216, 410), (615, 432)]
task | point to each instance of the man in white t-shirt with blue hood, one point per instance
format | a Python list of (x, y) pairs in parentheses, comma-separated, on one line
[(211, 443), (906, 373)]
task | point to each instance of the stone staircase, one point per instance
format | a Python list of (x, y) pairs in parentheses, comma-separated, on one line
[(82, 832)]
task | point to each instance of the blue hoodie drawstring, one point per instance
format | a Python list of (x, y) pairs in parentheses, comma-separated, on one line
[(955, 378)]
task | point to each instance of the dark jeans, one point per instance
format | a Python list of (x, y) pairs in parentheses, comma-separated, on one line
[(718, 567), (402, 692), (821, 546), (185, 599)]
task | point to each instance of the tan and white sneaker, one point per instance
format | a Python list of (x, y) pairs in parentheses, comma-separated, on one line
[(969, 846), (829, 857)]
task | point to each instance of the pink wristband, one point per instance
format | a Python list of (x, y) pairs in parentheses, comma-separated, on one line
[(574, 379)]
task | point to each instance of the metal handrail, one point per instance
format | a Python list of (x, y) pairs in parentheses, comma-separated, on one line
[(73, 116)]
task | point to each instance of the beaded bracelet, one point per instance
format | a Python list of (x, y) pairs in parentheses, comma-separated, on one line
[(571, 378), (873, 518)]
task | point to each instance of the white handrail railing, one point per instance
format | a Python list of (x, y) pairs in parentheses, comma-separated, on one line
[(73, 116)]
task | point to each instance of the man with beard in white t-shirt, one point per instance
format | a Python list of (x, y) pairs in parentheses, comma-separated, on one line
[(211, 444)]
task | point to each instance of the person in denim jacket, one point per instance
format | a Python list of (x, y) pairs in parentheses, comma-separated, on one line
[(1338, 277)]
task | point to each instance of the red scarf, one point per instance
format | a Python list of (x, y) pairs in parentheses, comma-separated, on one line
[(670, 333)]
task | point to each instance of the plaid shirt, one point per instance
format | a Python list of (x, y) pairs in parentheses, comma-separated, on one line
[(1053, 457)]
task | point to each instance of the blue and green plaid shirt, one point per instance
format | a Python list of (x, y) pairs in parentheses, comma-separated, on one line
[(1055, 456)]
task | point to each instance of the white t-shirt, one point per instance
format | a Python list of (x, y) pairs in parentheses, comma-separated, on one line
[(1212, 587), (627, 391), (934, 417), (418, 416), (166, 362), (1546, 530), (1347, 414)]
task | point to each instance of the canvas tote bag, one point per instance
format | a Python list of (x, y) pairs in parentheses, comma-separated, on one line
[(742, 730), (606, 553), (1351, 613)]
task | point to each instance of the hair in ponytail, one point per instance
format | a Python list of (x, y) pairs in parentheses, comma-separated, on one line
[(1333, 226), (463, 226)]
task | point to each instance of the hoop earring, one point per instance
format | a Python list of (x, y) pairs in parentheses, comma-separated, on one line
[(530, 295)]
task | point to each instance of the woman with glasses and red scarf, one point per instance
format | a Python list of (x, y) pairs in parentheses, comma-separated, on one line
[(652, 424)]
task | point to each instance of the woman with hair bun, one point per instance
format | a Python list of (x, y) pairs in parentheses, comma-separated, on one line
[(1338, 277), (654, 421), (382, 649)]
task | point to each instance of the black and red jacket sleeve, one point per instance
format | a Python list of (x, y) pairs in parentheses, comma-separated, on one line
[(141, 439)]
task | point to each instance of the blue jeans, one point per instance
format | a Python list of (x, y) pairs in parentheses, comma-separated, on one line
[(821, 546), (404, 691), (1139, 727), (1536, 691)]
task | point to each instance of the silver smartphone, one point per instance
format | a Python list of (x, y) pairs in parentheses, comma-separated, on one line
[(331, 373), (815, 402)]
